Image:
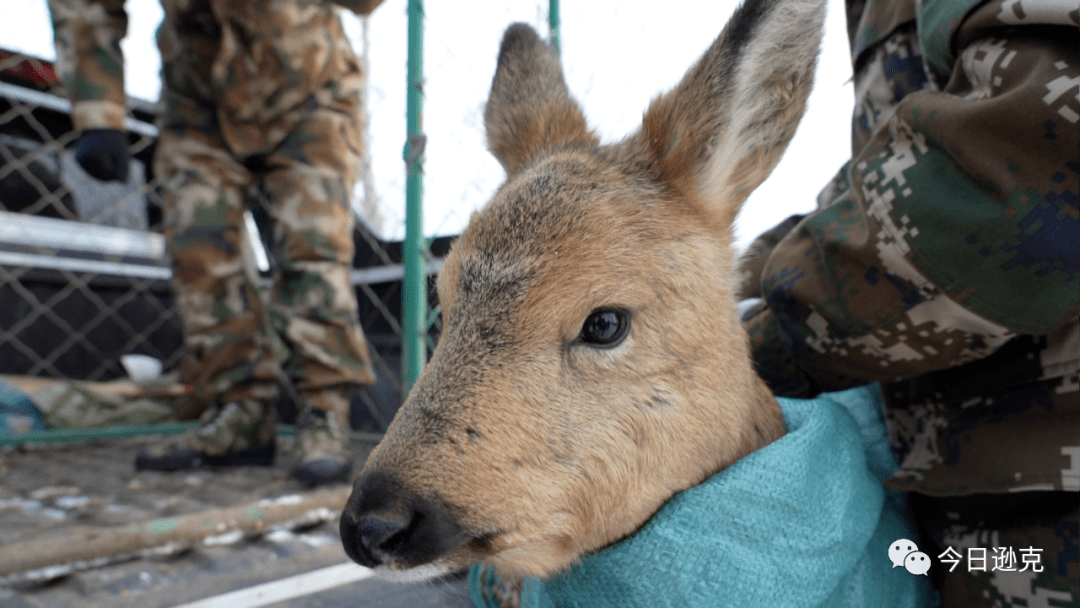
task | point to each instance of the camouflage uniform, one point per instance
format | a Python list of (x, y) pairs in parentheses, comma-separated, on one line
[(260, 100), (942, 262)]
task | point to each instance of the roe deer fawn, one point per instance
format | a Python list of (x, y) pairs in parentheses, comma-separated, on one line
[(591, 363)]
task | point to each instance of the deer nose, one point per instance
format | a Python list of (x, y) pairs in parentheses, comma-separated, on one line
[(369, 539), (386, 524)]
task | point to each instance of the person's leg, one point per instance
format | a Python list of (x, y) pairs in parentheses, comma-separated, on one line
[(1003, 550), (308, 183), (204, 199)]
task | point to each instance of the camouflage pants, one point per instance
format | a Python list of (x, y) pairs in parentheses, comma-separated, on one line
[(1006, 549), (310, 326)]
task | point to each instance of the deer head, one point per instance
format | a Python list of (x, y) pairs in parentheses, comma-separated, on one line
[(591, 363)]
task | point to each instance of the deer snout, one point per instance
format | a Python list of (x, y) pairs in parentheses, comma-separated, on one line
[(386, 524)]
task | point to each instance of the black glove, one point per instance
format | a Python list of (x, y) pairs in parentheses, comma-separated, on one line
[(104, 154)]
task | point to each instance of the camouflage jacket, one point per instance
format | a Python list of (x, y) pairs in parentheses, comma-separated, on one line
[(253, 62), (943, 259)]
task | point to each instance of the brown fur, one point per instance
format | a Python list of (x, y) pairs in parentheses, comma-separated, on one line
[(539, 446)]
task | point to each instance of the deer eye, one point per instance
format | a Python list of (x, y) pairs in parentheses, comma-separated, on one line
[(605, 327)]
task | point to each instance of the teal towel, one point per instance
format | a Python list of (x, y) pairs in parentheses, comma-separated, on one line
[(18, 413), (802, 522)]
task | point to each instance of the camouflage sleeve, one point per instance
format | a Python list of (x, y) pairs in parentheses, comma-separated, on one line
[(87, 34), (360, 7), (752, 261), (958, 226)]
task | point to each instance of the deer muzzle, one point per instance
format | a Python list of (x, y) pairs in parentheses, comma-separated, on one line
[(387, 526)]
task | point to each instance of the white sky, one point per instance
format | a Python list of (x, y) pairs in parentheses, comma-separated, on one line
[(617, 56)]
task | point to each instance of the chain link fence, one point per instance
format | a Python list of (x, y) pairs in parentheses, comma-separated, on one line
[(84, 271), (83, 274)]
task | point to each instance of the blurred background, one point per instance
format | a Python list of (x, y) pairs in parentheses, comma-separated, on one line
[(86, 281)]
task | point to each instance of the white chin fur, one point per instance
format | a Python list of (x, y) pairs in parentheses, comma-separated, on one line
[(412, 575)]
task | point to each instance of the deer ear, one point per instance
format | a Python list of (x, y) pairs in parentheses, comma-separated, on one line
[(724, 127), (529, 110)]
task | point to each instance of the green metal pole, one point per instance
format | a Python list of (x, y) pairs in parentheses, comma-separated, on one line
[(553, 25), (414, 298)]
